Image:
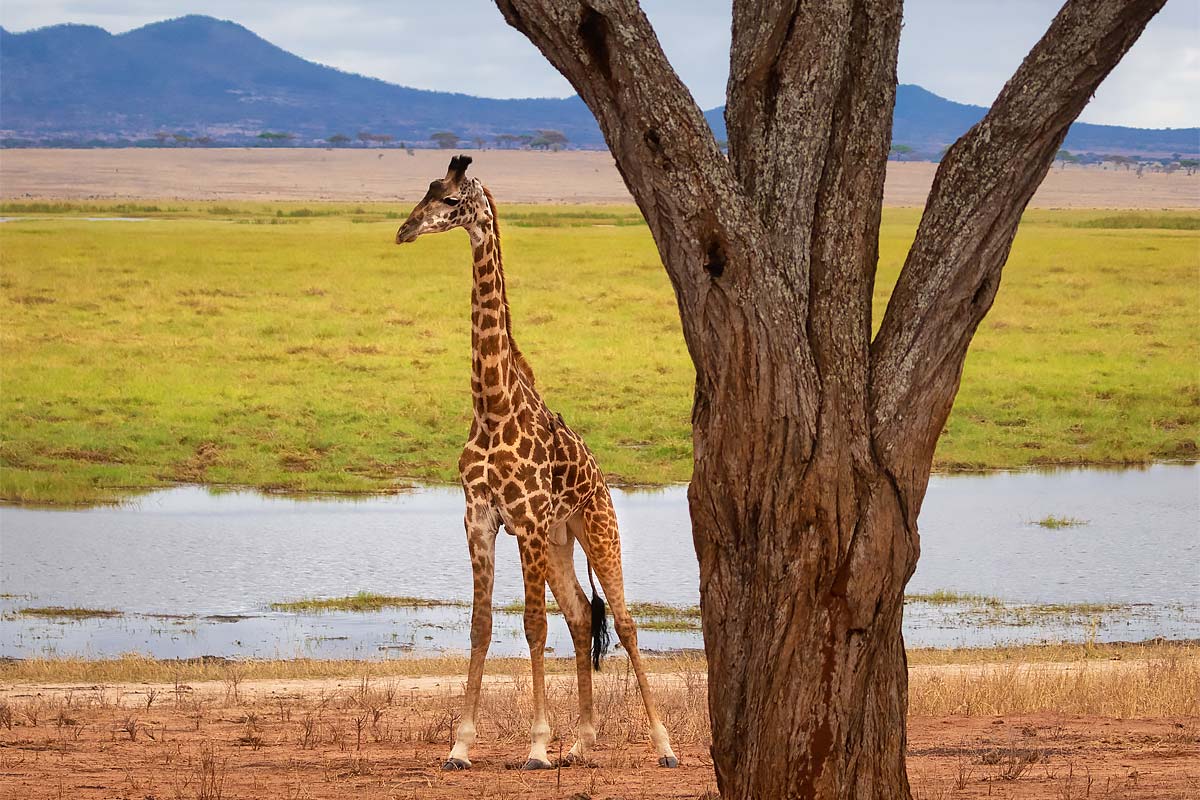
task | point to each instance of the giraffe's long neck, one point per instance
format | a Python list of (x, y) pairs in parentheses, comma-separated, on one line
[(496, 362)]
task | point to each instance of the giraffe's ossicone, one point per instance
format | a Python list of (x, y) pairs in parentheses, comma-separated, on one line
[(524, 468)]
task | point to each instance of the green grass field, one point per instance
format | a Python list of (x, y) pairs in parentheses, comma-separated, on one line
[(295, 348)]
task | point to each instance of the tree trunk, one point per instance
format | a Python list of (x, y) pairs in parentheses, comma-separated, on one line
[(813, 443), (808, 679)]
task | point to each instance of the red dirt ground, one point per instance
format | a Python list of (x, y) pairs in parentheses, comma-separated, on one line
[(87, 743)]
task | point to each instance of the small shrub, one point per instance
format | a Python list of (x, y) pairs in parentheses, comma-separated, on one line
[(1054, 523)]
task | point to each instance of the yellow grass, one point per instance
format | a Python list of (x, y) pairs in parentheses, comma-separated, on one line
[(294, 348), (134, 668), (1161, 686), (1125, 690)]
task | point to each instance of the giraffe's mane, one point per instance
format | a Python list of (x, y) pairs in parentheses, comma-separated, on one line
[(518, 357)]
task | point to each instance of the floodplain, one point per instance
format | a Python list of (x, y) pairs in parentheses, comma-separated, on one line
[(212, 322), (294, 348)]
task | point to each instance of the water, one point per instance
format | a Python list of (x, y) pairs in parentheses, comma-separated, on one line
[(173, 559)]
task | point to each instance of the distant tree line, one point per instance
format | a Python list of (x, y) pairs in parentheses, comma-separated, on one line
[(543, 139), (1173, 163), (1168, 164), (181, 139), (546, 139)]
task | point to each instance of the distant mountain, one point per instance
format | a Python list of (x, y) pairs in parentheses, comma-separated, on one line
[(201, 77), (929, 123)]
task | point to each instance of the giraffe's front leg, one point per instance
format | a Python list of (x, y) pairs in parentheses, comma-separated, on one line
[(534, 555), (482, 526)]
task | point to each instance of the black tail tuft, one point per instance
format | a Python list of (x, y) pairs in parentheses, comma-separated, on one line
[(600, 637)]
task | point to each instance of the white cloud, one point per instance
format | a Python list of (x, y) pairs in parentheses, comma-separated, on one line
[(967, 50), (961, 50)]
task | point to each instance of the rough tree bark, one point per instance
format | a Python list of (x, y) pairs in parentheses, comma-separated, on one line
[(813, 443)]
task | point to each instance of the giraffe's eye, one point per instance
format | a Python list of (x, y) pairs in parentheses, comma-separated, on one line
[(450, 201)]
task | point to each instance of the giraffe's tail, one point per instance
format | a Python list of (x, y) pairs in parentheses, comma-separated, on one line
[(600, 637)]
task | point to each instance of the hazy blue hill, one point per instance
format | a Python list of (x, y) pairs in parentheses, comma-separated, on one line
[(929, 123), (202, 76), (924, 121), (922, 118)]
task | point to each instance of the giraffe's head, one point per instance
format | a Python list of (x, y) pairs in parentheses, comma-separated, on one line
[(451, 202)]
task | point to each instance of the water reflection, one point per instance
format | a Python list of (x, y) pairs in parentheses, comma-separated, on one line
[(191, 553)]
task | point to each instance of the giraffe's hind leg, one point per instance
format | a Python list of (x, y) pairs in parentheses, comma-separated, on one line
[(482, 525), (602, 543), (575, 607)]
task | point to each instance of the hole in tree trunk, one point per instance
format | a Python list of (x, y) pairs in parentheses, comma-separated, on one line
[(654, 142), (984, 294), (593, 30), (771, 94), (714, 258)]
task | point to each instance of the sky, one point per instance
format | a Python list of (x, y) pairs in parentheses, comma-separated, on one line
[(963, 50)]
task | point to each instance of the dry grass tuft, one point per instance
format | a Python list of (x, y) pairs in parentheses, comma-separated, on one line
[(1125, 690), (175, 673), (1060, 652), (363, 601), (1054, 522), (61, 612), (1166, 682), (134, 668), (357, 736)]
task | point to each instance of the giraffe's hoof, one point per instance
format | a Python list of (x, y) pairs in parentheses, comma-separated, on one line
[(455, 764), (572, 760), (670, 762), (534, 763)]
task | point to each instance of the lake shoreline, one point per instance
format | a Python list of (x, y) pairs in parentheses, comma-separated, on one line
[(134, 668), (1011, 557), (415, 484)]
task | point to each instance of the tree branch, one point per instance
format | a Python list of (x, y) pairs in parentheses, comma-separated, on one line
[(785, 71), (979, 193), (811, 94), (664, 149), (807, 82)]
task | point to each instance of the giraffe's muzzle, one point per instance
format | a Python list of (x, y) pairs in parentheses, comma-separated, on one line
[(408, 232)]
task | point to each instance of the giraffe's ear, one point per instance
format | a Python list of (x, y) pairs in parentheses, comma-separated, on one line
[(458, 168)]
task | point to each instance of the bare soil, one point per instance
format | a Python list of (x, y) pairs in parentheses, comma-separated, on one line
[(515, 176), (386, 739)]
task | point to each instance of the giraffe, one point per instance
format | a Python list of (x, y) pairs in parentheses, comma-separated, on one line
[(525, 469)]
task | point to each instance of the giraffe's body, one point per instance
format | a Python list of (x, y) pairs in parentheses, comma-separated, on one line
[(525, 469)]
